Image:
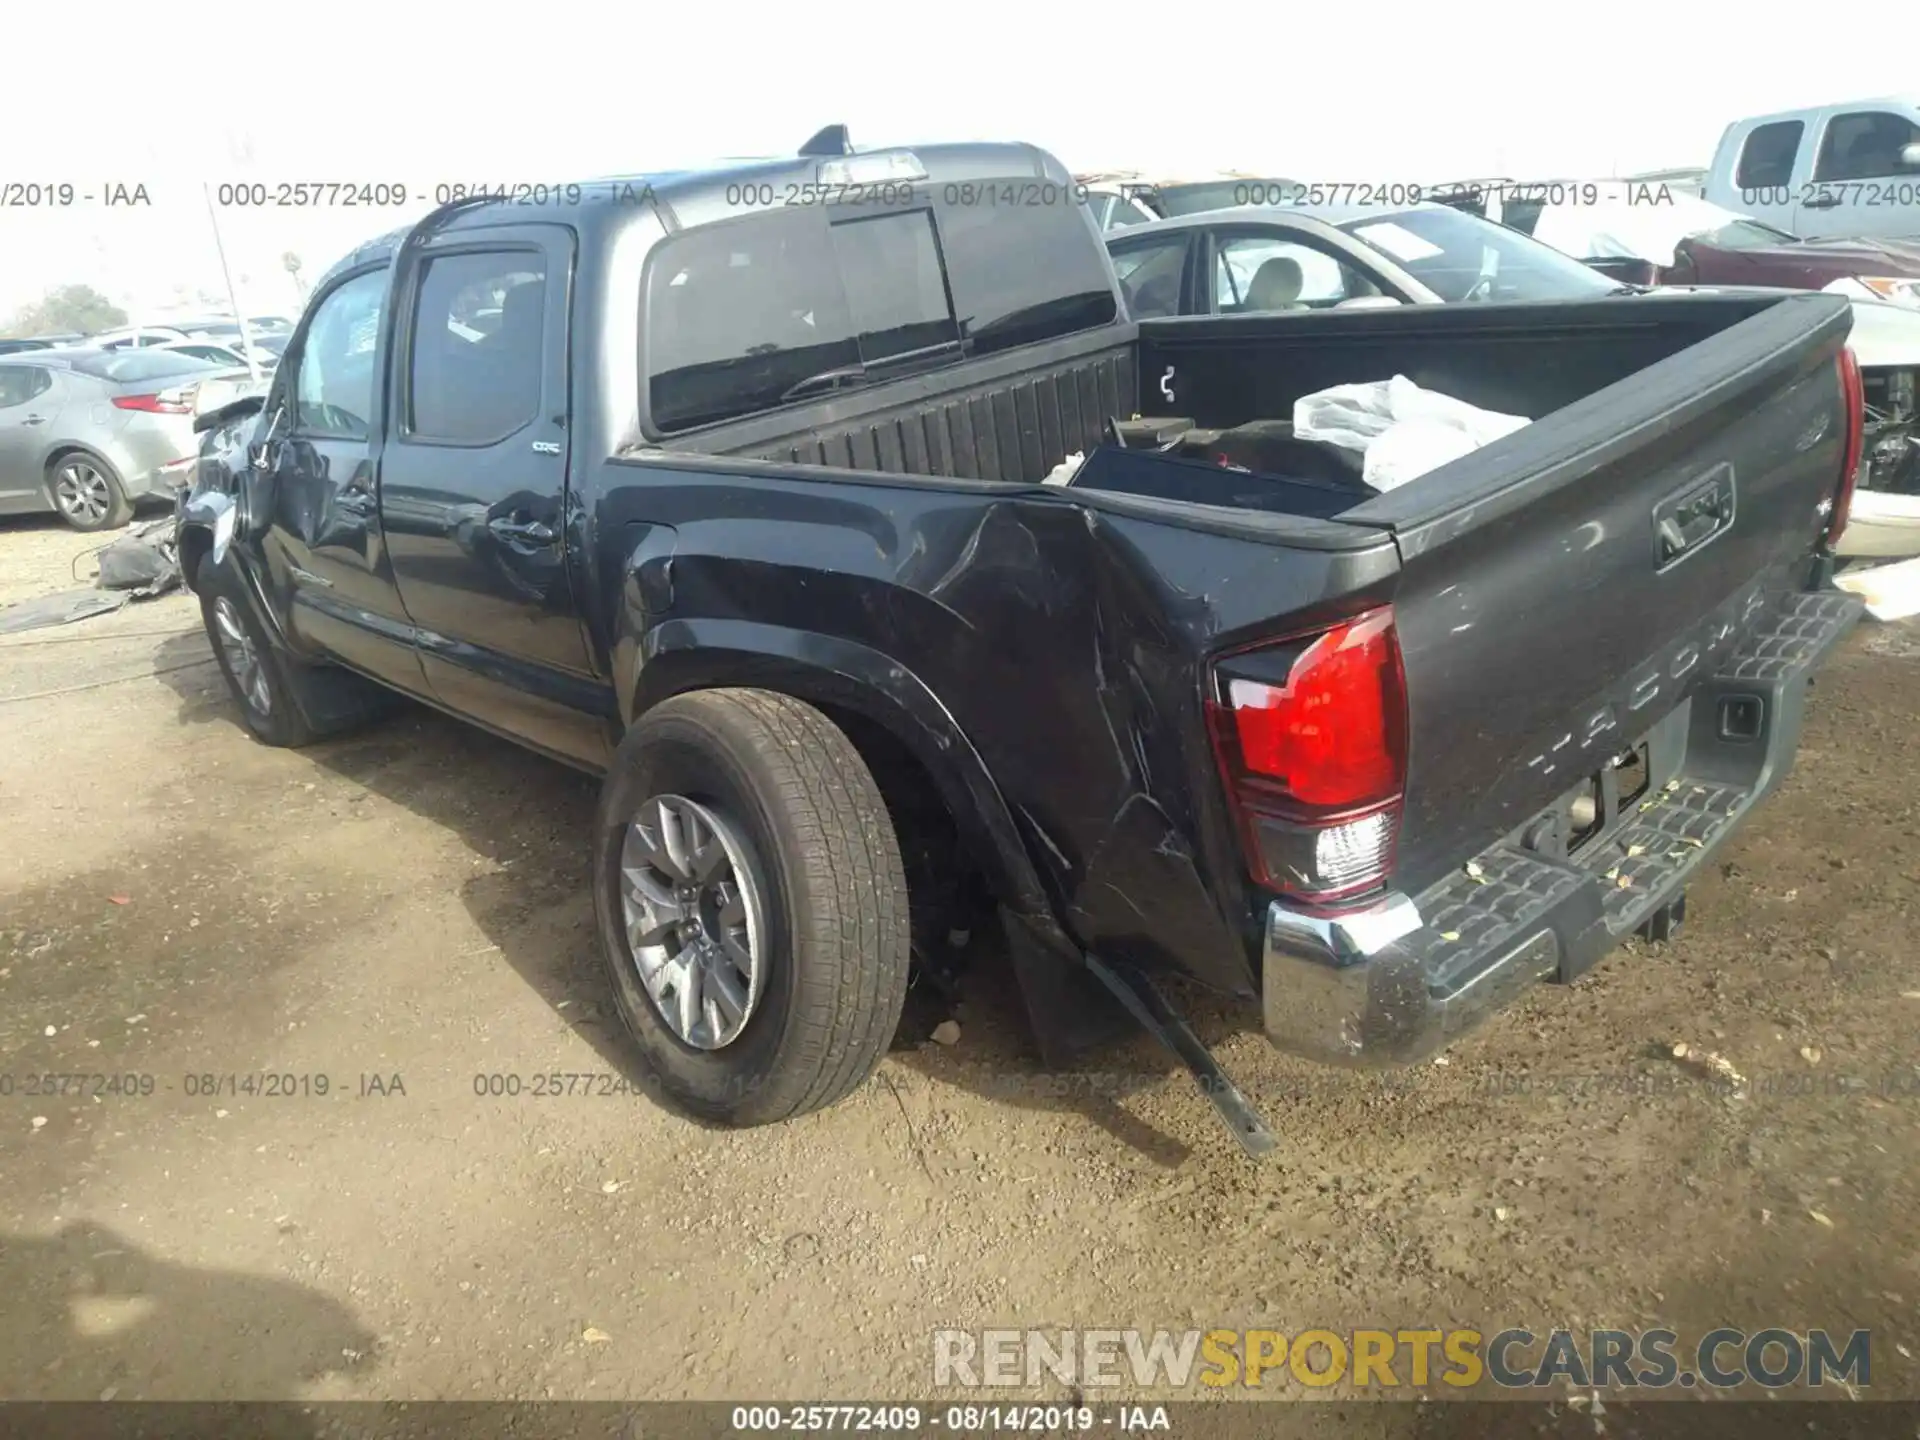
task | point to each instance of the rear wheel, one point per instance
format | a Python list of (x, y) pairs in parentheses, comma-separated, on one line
[(751, 904), (88, 494)]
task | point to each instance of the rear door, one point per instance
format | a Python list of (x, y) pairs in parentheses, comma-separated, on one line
[(473, 486), (29, 399)]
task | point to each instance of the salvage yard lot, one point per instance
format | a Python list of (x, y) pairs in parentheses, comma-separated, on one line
[(404, 913)]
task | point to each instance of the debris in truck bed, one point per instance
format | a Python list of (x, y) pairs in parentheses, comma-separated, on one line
[(1401, 429), (1063, 473)]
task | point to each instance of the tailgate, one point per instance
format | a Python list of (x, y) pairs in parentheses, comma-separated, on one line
[(1567, 588)]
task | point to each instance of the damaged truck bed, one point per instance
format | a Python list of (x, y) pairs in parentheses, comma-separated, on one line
[(739, 506)]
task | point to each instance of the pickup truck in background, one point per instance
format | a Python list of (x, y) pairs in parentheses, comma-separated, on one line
[(738, 505), (1830, 171)]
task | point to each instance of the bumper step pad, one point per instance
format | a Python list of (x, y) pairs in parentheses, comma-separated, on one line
[(1473, 921)]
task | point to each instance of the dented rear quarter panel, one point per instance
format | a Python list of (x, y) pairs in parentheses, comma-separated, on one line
[(1041, 652)]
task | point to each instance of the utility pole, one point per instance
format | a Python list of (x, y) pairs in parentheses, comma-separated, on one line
[(240, 152), (233, 295)]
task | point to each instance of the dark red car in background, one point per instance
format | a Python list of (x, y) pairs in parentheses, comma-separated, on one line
[(1648, 233)]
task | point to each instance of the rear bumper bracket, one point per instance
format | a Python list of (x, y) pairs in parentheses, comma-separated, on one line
[(1161, 1021)]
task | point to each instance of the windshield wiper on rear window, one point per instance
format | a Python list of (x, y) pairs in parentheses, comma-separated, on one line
[(849, 377), (840, 377)]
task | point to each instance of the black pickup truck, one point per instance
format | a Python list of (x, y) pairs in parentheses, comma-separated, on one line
[(728, 486)]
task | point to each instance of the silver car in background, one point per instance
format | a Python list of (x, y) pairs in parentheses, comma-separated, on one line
[(89, 433)]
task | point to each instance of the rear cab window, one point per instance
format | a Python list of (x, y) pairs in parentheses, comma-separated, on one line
[(777, 308), (1767, 157)]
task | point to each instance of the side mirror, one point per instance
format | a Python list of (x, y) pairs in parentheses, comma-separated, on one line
[(1910, 155)]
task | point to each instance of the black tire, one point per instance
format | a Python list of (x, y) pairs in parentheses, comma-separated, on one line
[(826, 866), (306, 701), (88, 494), (223, 604)]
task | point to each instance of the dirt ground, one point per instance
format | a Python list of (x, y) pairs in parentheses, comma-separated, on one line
[(405, 910)]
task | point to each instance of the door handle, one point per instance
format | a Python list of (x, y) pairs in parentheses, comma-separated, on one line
[(34, 420), (1822, 202), (523, 532), (356, 502)]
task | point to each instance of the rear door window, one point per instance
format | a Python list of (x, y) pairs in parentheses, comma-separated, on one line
[(1150, 272), (20, 383), (474, 363)]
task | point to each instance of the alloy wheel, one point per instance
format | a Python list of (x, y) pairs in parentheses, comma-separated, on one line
[(82, 492), (243, 661), (694, 923)]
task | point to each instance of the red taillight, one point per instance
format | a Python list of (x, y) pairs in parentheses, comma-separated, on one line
[(1854, 400), (1311, 736), (167, 402)]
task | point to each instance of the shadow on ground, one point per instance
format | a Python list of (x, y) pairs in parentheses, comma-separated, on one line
[(91, 1316), (531, 819)]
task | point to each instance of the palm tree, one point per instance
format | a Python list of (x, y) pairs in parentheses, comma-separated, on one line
[(291, 262)]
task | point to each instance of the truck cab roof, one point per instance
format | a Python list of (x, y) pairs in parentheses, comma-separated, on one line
[(704, 195), (1798, 112)]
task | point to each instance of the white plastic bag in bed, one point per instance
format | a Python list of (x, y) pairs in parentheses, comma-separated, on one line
[(1402, 430)]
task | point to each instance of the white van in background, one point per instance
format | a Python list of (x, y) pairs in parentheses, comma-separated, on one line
[(1832, 172)]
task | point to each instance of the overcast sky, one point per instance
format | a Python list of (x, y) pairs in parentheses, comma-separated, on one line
[(352, 92)]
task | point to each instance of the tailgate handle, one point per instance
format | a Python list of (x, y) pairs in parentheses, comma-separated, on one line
[(1687, 521)]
